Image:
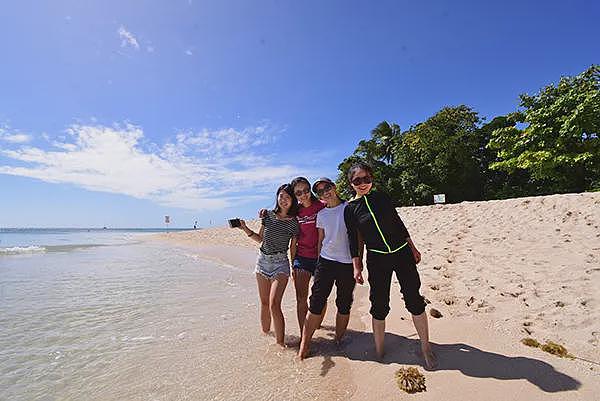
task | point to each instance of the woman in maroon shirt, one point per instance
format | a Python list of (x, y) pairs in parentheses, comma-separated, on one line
[(305, 259)]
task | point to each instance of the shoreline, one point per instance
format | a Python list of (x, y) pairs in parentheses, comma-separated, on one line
[(498, 271)]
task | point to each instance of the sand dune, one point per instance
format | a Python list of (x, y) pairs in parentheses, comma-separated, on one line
[(498, 271)]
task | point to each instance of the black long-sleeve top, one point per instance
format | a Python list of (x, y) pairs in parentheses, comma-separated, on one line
[(392, 233)]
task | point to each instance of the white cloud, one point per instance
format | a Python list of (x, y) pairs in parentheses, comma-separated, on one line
[(15, 138), (189, 52), (198, 170), (127, 38), (150, 49)]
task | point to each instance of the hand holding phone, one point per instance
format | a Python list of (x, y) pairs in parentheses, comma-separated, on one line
[(234, 223)]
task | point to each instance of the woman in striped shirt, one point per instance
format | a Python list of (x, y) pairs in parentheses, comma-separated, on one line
[(278, 232)]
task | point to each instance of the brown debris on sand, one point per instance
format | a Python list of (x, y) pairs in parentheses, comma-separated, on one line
[(550, 347), (556, 349), (410, 380), (531, 342), (435, 313)]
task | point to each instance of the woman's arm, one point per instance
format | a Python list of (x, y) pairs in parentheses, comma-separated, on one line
[(293, 248), (351, 230), (321, 233), (415, 251), (361, 244), (258, 237), (356, 244)]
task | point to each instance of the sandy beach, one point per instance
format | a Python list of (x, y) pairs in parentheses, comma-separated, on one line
[(498, 271)]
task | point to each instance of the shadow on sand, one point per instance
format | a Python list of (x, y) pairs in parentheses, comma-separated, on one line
[(469, 360)]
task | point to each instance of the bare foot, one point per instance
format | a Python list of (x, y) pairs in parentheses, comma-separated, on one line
[(303, 351), (429, 357), (342, 341)]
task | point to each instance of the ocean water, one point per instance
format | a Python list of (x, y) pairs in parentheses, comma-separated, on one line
[(116, 316), (39, 240)]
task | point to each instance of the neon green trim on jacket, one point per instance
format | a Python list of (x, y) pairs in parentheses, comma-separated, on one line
[(384, 252), (380, 233)]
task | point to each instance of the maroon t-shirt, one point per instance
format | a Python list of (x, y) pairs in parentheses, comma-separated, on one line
[(308, 238)]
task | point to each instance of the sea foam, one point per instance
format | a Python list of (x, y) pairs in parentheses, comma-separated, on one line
[(15, 250)]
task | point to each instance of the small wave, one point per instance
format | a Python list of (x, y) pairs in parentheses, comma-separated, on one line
[(16, 250)]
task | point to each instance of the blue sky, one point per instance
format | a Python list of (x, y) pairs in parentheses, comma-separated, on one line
[(117, 113)]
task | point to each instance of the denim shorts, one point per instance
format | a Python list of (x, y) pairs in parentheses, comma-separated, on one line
[(271, 265), (306, 264)]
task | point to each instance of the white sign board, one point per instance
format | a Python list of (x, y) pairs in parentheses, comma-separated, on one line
[(439, 198)]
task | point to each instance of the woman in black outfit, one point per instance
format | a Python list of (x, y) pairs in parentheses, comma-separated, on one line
[(372, 220)]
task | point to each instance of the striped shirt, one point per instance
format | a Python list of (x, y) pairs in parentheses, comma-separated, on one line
[(277, 233)]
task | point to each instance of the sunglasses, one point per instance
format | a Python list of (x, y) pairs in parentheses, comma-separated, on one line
[(326, 188), (362, 180), (301, 192)]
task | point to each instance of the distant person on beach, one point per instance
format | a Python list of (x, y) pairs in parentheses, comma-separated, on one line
[(372, 220), (304, 260), (333, 266), (278, 232)]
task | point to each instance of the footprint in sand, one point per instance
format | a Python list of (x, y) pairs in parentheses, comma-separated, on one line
[(450, 300), (484, 307)]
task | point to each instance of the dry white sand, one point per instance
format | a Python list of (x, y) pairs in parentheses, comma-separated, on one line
[(498, 271)]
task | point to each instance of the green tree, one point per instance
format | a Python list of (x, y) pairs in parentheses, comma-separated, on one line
[(441, 155), (498, 183), (559, 144), (378, 152), (438, 155)]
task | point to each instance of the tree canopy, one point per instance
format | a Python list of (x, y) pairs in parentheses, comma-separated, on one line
[(550, 144)]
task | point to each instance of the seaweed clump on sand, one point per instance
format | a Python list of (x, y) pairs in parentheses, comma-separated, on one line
[(410, 380), (531, 342), (550, 347), (556, 349)]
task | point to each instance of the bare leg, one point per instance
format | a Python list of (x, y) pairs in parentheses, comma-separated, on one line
[(322, 316), (420, 322), (310, 325), (264, 288), (301, 283), (278, 285), (379, 335), (341, 323)]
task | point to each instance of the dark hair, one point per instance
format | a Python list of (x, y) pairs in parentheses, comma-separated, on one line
[(359, 166), (293, 211), (302, 180)]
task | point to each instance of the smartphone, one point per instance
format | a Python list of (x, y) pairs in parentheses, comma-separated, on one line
[(233, 223)]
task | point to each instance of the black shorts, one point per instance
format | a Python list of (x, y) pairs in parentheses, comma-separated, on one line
[(327, 273), (381, 267)]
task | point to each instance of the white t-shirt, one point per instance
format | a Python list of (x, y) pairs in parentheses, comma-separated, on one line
[(335, 244)]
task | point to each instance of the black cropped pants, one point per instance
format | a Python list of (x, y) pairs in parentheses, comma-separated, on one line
[(327, 273), (381, 267)]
